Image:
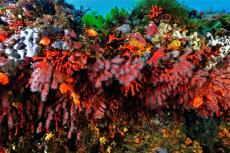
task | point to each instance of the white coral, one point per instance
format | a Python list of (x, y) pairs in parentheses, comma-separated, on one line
[(194, 41)]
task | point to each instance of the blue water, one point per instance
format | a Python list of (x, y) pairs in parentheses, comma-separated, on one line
[(104, 6), (203, 5)]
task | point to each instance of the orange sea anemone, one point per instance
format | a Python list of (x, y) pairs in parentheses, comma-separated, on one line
[(45, 41), (65, 88), (197, 102), (4, 79)]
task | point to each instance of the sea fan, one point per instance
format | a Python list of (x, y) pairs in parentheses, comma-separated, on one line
[(216, 91)]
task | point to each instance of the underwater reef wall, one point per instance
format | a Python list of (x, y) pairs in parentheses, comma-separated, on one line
[(59, 65)]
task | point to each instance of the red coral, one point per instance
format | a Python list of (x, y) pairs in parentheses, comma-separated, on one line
[(157, 55), (3, 60), (113, 38), (155, 11), (155, 98), (53, 69), (5, 111), (58, 77), (64, 61), (127, 50), (3, 35), (198, 79), (120, 67), (200, 56), (46, 74), (99, 108), (14, 23), (131, 87), (168, 82)]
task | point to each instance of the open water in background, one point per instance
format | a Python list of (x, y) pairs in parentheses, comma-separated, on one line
[(104, 6)]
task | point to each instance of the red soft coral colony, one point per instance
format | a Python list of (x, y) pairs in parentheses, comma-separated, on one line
[(52, 74)]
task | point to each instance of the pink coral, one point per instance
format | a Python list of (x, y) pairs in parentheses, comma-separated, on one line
[(125, 71), (41, 78), (151, 29)]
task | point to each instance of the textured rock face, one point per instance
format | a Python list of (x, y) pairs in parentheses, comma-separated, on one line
[(23, 44)]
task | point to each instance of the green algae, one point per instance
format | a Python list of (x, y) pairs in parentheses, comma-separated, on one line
[(114, 17)]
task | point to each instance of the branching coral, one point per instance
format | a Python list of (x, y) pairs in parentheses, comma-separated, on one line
[(155, 11), (64, 61), (131, 87)]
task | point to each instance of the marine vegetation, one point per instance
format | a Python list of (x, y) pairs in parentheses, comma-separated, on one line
[(75, 81), (114, 17)]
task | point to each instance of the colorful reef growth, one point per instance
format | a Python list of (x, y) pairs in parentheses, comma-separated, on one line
[(156, 79)]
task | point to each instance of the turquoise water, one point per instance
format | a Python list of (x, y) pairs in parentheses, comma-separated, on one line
[(104, 6)]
